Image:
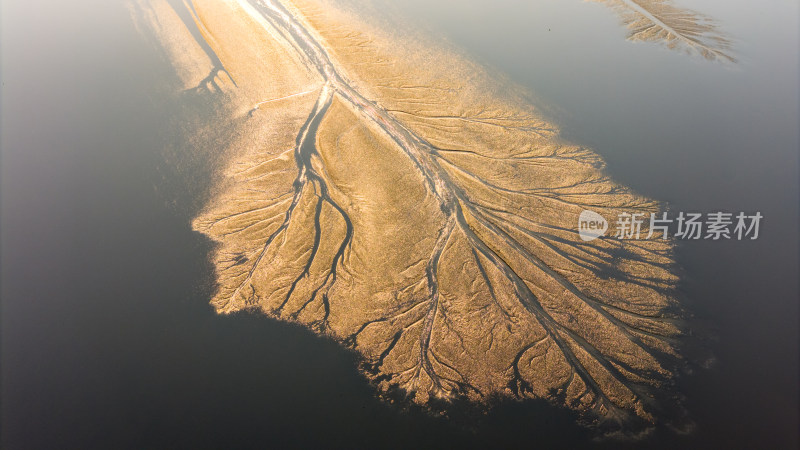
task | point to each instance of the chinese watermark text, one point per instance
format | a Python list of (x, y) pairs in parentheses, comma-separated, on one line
[(685, 226)]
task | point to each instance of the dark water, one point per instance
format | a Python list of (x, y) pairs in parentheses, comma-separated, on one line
[(107, 338)]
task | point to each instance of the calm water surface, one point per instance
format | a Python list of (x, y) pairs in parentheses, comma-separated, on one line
[(107, 337)]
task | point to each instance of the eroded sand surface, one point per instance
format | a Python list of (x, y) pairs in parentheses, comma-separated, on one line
[(394, 196)]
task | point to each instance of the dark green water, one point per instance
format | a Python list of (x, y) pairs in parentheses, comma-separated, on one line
[(107, 337)]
